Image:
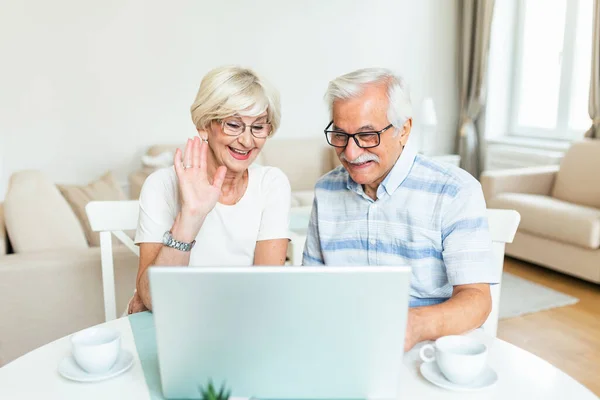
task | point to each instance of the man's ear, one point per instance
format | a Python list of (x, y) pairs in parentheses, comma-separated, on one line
[(405, 133)]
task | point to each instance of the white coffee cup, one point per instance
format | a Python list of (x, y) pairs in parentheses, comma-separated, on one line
[(96, 349), (461, 359)]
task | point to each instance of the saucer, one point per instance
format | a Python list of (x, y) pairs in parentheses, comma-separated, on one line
[(69, 368), (432, 373)]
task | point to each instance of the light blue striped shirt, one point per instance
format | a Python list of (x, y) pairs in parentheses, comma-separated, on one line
[(428, 215)]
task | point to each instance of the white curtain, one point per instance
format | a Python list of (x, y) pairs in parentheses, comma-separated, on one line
[(594, 102), (475, 23)]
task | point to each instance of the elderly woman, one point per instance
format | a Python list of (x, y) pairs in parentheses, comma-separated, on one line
[(212, 208)]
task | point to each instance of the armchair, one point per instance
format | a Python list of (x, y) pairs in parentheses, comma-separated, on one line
[(559, 208)]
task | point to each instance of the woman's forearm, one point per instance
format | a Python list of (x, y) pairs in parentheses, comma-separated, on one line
[(167, 256)]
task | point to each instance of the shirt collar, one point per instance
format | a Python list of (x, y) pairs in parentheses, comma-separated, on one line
[(401, 169), (397, 174), (355, 187)]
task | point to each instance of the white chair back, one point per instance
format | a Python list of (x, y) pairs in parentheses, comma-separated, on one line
[(503, 225), (112, 217)]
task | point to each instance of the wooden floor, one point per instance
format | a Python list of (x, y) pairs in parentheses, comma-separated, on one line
[(567, 337)]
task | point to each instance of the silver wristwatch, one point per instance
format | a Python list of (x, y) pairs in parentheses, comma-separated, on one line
[(176, 244)]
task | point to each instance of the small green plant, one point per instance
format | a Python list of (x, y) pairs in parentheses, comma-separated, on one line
[(210, 393)]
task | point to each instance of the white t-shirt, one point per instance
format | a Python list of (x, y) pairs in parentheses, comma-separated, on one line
[(229, 234)]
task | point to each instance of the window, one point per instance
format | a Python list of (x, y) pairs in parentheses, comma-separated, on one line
[(552, 68)]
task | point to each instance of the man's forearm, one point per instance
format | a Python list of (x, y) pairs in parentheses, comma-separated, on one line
[(464, 311)]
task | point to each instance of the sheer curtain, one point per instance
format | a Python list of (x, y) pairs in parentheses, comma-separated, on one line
[(475, 22), (594, 102)]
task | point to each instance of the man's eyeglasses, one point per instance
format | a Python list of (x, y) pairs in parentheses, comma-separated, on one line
[(235, 127), (364, 140)]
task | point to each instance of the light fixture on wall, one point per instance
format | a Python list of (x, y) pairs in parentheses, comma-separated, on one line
[(428, 126)]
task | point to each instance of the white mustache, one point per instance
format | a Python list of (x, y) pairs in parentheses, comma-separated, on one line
[(363, 158)]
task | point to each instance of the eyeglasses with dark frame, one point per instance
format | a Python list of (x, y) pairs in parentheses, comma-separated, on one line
[(233, 126), (363, 140)]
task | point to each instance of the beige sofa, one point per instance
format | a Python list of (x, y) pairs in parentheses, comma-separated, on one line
[(51, 283), (560, 210)]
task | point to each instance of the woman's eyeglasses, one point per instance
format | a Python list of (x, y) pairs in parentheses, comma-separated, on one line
[(235, 127)]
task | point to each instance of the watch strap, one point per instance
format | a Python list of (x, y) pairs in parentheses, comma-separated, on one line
[(178, 245)]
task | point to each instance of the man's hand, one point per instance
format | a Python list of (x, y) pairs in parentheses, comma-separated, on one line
[(136, 305), (466, 310), (412, 335)]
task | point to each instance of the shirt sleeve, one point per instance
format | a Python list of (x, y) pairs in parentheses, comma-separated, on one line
[(466, 240), (312, 255), (157, 199), (275, 219)]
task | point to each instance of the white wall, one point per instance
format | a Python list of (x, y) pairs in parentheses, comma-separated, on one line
[(87, 86)]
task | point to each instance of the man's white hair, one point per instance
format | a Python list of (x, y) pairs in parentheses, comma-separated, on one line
[(352, 84)]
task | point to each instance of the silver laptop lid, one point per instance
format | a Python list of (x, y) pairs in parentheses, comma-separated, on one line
[(281, 332)]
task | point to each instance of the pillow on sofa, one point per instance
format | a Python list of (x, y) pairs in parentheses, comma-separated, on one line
[(3, 239), (577, 178), (106, 188), (37, 217), (164, 159)]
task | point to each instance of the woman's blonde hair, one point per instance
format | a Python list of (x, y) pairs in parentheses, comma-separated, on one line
[(232, 90)]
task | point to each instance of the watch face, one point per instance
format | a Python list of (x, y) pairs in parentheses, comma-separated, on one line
[(166, 237)]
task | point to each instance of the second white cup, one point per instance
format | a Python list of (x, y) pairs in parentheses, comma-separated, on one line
[(96, 349), (461, 359)]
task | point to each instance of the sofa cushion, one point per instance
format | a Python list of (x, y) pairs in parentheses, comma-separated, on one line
[(577, 180), (302, 198), (38, 217), (104, 189), (303, 161), (159, 149), (555, 219), (335, 160), (3, 244)]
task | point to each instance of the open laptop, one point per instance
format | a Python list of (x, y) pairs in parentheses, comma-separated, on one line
[(281, 332)]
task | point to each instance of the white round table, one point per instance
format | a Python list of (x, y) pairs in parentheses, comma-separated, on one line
[(521, 375)]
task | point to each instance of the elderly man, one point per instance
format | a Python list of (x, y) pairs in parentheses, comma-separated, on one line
[(388, 205)]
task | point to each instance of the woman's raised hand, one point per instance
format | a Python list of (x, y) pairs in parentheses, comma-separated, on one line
[(198, 193)]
